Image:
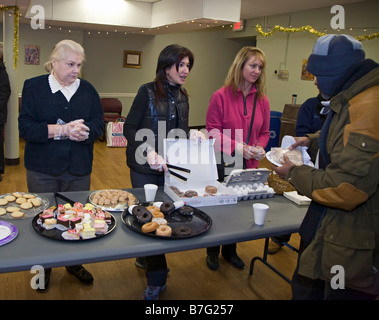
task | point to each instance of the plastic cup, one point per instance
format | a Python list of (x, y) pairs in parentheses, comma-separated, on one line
[(260, 211), (150, 191)]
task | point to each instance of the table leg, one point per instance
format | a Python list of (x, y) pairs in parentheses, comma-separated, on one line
[(264, 261)]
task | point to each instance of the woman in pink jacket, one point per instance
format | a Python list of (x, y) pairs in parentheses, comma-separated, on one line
[(238, 118)]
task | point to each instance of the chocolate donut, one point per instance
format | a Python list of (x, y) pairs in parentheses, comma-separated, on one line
[(190, 194), (186, 211), (167, 207), (182, 231), (142, 214)]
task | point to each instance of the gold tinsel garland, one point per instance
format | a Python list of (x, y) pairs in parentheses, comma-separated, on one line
[(15, 31), (310, 30)]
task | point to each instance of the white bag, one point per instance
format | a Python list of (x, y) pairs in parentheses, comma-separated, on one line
[(114, 134)]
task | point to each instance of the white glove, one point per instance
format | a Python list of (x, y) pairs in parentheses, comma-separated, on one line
[(260, 153), (196, 136), (156, 162), (77, 130)]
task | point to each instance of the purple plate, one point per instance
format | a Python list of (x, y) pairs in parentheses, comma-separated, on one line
[(7, 232)]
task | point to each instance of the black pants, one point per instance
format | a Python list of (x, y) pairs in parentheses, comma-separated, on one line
[(156, 266), (2, 158), (226, 250)]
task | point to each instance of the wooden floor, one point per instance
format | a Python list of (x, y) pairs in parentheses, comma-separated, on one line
[(189, 277)]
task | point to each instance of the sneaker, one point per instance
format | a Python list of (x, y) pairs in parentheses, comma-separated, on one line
[(212, 261), (152, 292), (235, 260), (273, 247)]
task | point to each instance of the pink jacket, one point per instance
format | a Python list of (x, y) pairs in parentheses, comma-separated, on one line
[(229, 111)]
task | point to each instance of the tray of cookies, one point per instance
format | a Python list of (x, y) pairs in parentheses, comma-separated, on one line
[(166, 220), (21, 205), (112, 199)]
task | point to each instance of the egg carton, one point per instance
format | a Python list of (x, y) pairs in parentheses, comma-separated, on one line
[(250, 184)]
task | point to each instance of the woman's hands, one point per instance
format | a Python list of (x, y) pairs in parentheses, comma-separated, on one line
[(250, 152), (74, 130), (156, 162)]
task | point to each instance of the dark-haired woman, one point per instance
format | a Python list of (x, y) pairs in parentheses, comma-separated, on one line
[(158, 108)]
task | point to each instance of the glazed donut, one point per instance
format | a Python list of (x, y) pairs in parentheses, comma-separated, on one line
[(164, 231), (160, 221), (167, 207), (142, 214), (190, 194), (157, 214), (149, 227), (182, 231), (211, 189), (186, 211)]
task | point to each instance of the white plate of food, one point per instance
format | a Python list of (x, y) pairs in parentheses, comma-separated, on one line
[(112, 199), (21, 205)]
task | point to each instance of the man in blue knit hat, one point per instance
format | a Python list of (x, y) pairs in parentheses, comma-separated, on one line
[(339, 256)]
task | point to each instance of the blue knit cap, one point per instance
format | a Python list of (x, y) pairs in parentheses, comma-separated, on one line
[(332, 59)]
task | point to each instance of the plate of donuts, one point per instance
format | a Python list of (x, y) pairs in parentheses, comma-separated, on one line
[(21, 205), (166, 220)]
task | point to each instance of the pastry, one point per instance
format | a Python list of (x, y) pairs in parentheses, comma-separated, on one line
[(190, 194), (167, 207), (17, 214), (28, 196), (294, 155), (163, 231), (36, 202), (149, 227), (26, 205), (10, 198), (182, 231)]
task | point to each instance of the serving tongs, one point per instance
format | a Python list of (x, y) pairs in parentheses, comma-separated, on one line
[(62, 197), (177, 174)]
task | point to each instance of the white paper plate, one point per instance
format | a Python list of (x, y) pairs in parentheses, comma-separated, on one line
[(269, 158)]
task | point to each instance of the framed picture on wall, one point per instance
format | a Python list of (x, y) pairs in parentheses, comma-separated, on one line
[(132, 59), (32, 54)]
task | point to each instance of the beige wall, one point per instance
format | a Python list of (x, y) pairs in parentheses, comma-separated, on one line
[(287, 50), (214, 52)]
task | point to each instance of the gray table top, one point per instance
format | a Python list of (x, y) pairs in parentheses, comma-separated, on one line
[(231, 223)]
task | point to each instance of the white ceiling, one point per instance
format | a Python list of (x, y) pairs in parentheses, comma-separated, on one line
[(249, 9)]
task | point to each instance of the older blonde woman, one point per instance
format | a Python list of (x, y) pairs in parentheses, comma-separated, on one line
[(60, 118), (238, 117)]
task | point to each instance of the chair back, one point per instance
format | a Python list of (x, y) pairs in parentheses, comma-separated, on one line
[(111, 105)]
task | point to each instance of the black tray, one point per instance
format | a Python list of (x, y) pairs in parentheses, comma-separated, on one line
[(199, 223), (57, 234)]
